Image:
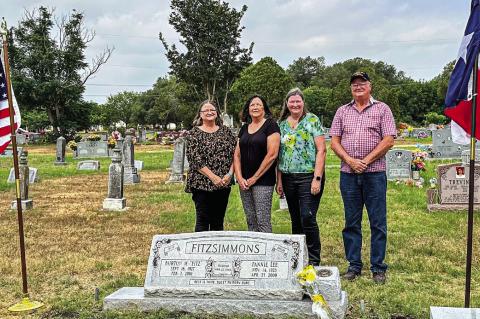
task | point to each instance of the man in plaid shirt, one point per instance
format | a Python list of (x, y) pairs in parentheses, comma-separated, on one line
[(362, 132)]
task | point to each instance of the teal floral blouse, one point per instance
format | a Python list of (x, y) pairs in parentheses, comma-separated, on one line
[(297, 146)]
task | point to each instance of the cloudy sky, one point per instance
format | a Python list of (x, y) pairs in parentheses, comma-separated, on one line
[(418, 37)]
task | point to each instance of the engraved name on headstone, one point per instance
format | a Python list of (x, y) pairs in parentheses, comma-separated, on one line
[(453, 183), (399, 164), (443, 146)]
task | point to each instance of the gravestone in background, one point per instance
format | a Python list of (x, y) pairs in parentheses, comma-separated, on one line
[(399, 164), (443, 146), (89, 165), (178, 162), (454, 313), (227, 120), (130, 174), (21, 138), (466, 157), (24, 175), (115, 200), (139, 165), (8, 152), (60, 151), (92, 149), (421, 132), (33, 175), (229, 273)]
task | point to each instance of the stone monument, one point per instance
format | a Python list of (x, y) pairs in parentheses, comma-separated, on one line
[(454, 313), (92, 149), (24, 182), (399, 164), (115, 200), (452, 190), (230, 273), (88, 165), (60, 151), (130, 174), (443, 146), (178, 162)]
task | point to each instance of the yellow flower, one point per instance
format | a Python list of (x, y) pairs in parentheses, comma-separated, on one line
[(319, 299), (307, 275)]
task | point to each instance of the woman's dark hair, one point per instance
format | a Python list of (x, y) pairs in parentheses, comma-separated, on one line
[(285, 111), (246, 118), (197, 121)]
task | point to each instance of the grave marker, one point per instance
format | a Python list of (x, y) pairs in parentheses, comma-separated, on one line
[(399, 164)]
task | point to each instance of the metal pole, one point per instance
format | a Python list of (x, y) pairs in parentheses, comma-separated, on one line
[(471, 182)]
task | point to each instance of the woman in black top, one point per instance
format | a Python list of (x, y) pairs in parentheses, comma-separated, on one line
[(255, 157), (210, 148)]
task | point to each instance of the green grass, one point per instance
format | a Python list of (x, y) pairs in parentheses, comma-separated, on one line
[(73, 249)]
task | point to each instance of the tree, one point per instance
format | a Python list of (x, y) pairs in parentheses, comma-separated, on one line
[(303, 70), (49, 71), (210, 31), (316, 100), (120, 107), (266, 78)]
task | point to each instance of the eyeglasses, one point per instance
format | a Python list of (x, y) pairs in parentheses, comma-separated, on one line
[(359, 85), (209, 111)]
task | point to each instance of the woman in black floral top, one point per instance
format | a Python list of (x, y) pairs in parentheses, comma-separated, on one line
[(210, 147)]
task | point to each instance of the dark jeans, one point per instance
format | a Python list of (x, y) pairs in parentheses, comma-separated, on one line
[(303, 207), (210, 208), (369, 189)]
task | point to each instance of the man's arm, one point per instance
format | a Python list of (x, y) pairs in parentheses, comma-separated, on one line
[(380, 150), (357, 165)]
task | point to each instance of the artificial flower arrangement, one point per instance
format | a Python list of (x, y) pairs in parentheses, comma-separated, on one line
[(418, 160), (306, 278), (72, 145)]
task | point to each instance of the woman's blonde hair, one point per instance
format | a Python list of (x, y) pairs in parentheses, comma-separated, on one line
[(285, 111)]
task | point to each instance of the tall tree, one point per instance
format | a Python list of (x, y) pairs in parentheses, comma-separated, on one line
[(49, 70), (303, 70), (210, 31), (266, 78)]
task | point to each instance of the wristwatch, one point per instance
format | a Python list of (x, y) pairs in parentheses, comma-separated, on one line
[(318, 178)]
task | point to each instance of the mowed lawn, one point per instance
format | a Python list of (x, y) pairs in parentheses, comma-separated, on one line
[(74, 247)]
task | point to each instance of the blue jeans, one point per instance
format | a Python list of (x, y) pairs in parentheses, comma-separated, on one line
[(303, 207), (369, 189)]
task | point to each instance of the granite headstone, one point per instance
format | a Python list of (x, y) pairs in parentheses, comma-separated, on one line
[(443, 146), (399, 164)]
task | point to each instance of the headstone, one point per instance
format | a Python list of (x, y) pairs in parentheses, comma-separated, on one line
[(89, 165), (130, 174), (399, 164), (8, 152), (92, 149), (24, 182), (21, 139), (33, 176), (466, 157), (60, 151), (103, 137), (171, 126), (139, 165), (115, 200), (443, 146), (178, 162), (453, 185), (432, 127), (230, 273), (454, 313), (227, 120), (421, 132)]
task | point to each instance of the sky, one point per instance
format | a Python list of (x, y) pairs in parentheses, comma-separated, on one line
[(417, 37)]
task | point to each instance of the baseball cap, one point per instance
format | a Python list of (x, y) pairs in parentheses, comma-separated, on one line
[(359, 75)]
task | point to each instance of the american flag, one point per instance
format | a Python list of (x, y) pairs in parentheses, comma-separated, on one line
[(5, 136)]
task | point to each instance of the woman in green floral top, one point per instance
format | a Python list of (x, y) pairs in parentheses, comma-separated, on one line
[(301, 169)]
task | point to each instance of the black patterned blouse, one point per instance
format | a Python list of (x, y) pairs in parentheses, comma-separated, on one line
[(213, 150)]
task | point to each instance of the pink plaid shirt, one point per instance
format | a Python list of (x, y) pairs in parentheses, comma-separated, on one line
[(361, 132)]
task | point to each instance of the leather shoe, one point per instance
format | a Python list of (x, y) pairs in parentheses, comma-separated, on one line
[(379, 277), (351, 275)]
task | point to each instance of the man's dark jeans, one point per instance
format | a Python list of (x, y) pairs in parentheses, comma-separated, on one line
[(303, 207), (369, 189), (210, 208)]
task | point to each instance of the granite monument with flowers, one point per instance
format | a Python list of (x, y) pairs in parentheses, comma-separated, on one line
[(235, 273)]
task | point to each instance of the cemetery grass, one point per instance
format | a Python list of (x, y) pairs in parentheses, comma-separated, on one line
[(74, 247)]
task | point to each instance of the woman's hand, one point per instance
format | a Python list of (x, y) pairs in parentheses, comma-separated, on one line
[(252, 180), (279, 189), (315, 187), (226, 179), (242, 182), (217, 181)]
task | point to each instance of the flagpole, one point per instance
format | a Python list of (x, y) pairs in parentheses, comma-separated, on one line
[(25, 304), (471, 197)]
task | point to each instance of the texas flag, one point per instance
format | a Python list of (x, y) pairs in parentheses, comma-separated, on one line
[(458, 102)]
